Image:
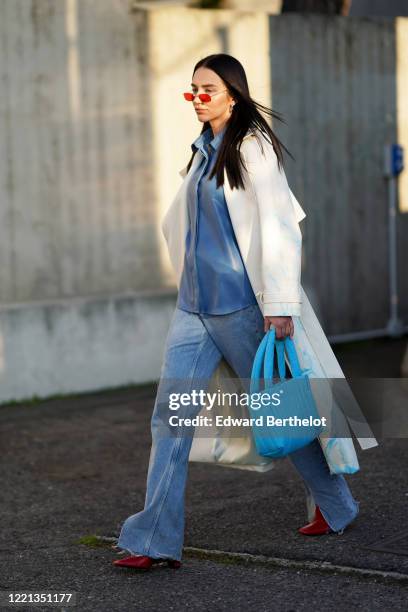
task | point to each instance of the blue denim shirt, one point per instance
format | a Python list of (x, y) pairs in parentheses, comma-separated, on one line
[(214, 279)]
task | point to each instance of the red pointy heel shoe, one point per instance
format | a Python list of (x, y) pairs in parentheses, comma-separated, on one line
[(141, 562), (317, 527)]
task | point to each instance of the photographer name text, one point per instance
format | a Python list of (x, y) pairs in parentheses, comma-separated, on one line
[(261, 420)]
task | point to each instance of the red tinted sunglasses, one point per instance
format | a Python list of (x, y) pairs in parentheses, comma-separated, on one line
[(204, 97)]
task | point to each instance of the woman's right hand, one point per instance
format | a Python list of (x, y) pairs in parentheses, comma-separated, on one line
[(283, 326)]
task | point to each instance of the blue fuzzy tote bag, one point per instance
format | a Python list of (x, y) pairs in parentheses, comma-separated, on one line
[(285, 416)]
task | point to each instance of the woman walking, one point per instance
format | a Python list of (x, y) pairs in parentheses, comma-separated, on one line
[(225, 305)]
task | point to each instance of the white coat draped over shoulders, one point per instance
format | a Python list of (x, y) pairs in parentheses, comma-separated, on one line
[(265, 216)]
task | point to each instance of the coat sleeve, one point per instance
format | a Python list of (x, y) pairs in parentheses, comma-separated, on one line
[(281, 238)]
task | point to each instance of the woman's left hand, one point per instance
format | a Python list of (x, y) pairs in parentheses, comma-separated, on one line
[(283, 326)]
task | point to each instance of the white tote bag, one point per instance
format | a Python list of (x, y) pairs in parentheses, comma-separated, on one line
[(220, 445)]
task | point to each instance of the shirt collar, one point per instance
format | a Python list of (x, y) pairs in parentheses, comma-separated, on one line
[(207, 138)]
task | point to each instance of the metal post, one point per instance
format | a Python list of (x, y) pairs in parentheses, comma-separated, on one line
[(395, 327)]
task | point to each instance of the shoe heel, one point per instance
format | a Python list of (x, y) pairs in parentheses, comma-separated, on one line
[(173, 563)]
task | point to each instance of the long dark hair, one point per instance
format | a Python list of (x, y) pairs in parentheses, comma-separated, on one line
[(245, 116)]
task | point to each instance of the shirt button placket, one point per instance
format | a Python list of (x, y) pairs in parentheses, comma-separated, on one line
[(196, 285)]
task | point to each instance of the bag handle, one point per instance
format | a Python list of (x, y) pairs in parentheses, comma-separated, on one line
[(281, 345), (269, 356), (257, 365), (290, 348), (261, 361), (280, 352)]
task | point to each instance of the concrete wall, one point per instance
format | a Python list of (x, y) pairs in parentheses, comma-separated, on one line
[(338, 86), (94, 130), (82, 344), (77, 191)]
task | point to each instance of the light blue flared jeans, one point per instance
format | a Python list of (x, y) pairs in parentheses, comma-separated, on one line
[(194, 346)]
